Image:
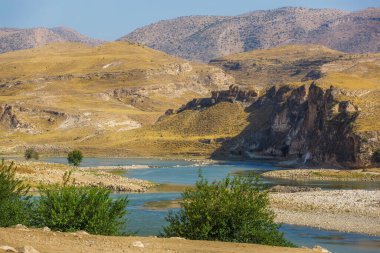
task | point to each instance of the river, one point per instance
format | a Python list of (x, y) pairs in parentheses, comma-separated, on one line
[(144, 221)]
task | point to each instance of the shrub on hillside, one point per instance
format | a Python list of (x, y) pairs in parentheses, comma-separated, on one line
[(30, 153), (15, 207), (75, 157), (376, 156), (231, 210), (73, 208)]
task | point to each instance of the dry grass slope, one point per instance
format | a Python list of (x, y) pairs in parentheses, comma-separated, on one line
[(68, 95)]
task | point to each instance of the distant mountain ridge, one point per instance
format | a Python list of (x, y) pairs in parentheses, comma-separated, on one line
[(208, 37), (12, 39)]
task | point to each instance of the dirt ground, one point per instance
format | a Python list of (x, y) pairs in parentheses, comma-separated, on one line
[(57, 242)]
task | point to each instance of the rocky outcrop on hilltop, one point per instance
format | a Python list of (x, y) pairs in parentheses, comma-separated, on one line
[(233, 94), (9, 118), (306, 124), (205, 38), (15, 39)]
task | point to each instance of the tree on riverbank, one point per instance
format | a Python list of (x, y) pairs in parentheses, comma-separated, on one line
[(232, 210), (75, 157)]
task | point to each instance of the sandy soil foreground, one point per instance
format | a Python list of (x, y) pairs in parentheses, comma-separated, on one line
[(46, 242)]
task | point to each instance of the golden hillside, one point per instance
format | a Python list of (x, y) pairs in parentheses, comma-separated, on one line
[(63, 95), (355, 79), (105, 100), (356, 75)]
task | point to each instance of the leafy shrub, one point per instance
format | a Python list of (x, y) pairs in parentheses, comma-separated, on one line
[(30, 153), (376, 156), (15, 207), (233, 210), (73, 208), (75, 157)]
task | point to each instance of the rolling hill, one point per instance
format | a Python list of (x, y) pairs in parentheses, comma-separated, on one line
[(302, 104), (208, 37), (297, 102), (71, 94), (12, 39)]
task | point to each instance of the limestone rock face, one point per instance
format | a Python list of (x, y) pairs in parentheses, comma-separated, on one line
[(307, 124)]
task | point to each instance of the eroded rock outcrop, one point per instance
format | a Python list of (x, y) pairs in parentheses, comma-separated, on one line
[(307, 124), (233, 94)]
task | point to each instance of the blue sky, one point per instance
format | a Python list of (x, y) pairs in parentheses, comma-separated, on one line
[(111, 19)]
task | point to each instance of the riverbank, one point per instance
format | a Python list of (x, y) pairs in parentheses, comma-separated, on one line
[(356, 211), (343, 210), (46, 241), (372, 174), (42, 173)]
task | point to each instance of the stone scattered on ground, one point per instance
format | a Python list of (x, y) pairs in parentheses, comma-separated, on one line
[(46, 229), (320, 249), (21, 227), (25, 249), (282, 188), (28, 249), (8, 248), (67, 242), (138, 244)]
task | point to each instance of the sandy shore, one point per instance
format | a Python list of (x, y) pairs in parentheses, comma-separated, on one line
[(41, 173), (326, 174), (343, 210), (79, 243)]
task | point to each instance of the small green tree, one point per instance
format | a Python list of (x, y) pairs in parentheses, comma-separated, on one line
[(73, 208), (31, 153), (231, 210), (75, 157), (15, 207), (376, 156)]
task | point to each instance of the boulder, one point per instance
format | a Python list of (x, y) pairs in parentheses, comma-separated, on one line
[(28, 249), (138, 244), (8, 248)]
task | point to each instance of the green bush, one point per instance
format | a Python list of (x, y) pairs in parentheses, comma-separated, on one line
[(15, 207), (73, 208), (376, 156), (231, 210), (75, 157), (30, 153)]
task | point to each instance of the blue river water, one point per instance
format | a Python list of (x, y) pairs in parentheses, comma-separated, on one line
[(143, 221)]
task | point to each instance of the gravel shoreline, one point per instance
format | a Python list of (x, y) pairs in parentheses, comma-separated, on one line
[(325, 174), (343, 210)]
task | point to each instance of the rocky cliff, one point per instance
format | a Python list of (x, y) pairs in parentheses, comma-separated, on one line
[(306, 124)]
